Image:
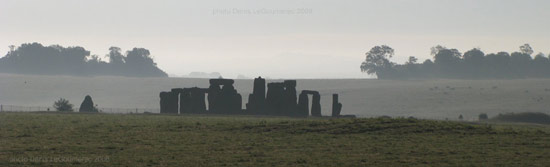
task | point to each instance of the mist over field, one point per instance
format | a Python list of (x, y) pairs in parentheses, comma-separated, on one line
[(436, 99), (274, 83)]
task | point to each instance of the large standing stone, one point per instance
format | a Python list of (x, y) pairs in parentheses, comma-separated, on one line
[(87, 105), (290, 106), (198, 104), (303, 105), (231, 101), (214, 93), (259, 88), (179, 93), (256, 100), (169, 103), (186, 104), (336, 106), (316, 105), (163, 102), (315, 102), (275, 98), (225, 100)]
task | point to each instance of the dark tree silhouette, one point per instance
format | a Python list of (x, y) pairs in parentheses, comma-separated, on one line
[(450, 63), (115, 56), (447, 60), (139, 61), (63, 105), (526, 49), (541, 66), (473, 63), (521, 63), (34, 58), (412, 60), (377, 61)]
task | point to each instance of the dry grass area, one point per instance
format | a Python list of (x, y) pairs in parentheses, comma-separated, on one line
[(67, 139)]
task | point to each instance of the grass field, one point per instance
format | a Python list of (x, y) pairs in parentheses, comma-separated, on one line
[(62, 139), (431, 99)]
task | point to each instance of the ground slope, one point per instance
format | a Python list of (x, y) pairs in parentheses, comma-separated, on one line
[(159, 140)]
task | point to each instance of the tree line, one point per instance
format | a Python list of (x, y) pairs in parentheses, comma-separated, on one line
[(451, 63), (34, 58)]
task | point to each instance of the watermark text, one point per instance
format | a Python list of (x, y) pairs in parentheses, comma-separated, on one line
[(262, 11)]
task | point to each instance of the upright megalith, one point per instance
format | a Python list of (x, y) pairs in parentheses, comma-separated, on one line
[(336, 106), (173, 103), (259, 88), (230, 99), (290, 105), (275, 98), (315, 102), (178, 92), (163, 102), (197, 100), (169, 102), (214, 93), (87, 105), (290, 91), (256, 100), (280, 99), (186, 104), (316, 105), (225, 100), (303, 105)]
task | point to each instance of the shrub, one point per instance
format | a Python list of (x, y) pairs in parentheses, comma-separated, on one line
[(527, 117), (63, 105), (483, 116)]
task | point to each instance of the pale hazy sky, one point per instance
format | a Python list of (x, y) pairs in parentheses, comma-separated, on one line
[(327, 39)]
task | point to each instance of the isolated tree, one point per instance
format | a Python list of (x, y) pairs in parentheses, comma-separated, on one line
[(483, 116), (498, 65), (540, 57), (409, 69), (139, 62), (434, 50), (428, 62), (63, 105), (473, 62), (412, 60), (447, 61), (526, 49), (521, 63), (115, 56), (377, 61), (474, 56), (94, 59), (541, 66), (139, 56), (447, 56)]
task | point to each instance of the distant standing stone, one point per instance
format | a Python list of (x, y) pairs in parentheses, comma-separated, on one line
[(87, 105)]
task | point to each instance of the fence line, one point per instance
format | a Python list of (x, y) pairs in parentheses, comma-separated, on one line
[(17, 108)]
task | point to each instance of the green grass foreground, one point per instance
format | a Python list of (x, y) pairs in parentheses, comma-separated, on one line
[(58, 139)]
